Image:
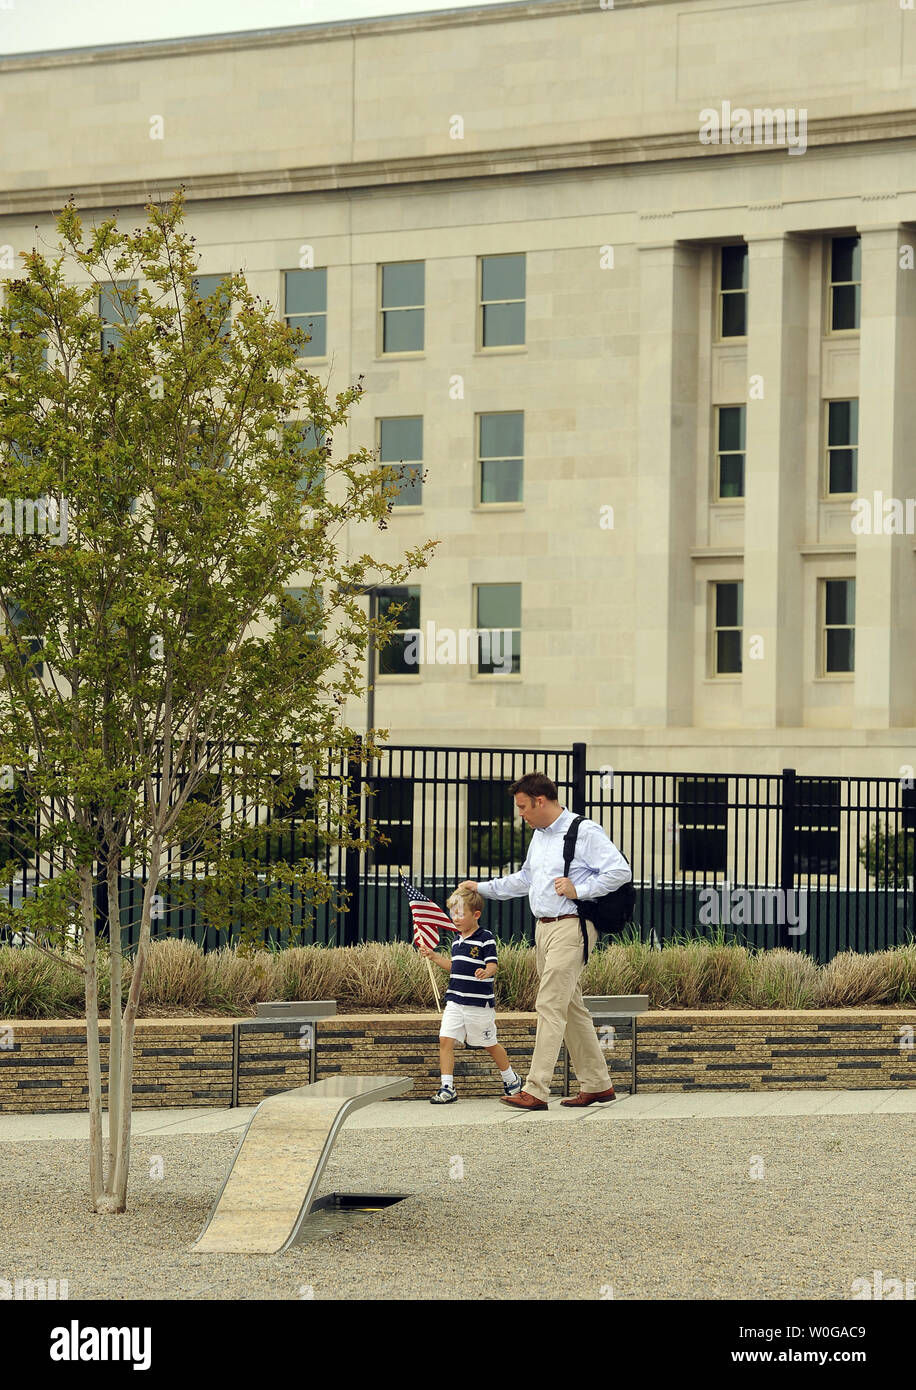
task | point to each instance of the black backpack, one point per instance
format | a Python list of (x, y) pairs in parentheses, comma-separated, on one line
[(607, 914)]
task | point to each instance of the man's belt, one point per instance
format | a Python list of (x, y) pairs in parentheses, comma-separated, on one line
[(567, 916)]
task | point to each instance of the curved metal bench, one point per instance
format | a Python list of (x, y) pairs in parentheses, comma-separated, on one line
[(273, 1175)]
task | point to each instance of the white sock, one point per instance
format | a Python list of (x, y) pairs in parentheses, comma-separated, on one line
[(448, 1081), (508, 1076)]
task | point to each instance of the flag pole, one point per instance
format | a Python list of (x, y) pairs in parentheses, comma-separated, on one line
[(432, 980)]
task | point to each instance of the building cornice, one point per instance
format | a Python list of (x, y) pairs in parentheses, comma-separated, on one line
[(332, 30), (832, 135)]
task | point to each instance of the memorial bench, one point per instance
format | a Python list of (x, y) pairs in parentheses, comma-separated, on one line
[(604, 1007), (273, 1176)]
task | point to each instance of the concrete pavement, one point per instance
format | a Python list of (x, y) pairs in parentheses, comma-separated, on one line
[(412, 1114)]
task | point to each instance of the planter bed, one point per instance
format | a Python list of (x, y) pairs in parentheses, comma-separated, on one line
[(203, 1060)]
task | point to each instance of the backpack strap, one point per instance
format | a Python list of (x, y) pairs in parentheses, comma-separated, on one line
[(569, 850), (569, 844)]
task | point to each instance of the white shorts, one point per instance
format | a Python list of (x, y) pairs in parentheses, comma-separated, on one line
[(470, 1023)]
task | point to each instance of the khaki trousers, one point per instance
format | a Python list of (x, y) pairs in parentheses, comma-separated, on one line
[(561, 1013)]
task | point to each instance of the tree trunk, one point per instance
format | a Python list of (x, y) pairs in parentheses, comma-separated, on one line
[(118, 1183), (93, 1056), (114, 1045)]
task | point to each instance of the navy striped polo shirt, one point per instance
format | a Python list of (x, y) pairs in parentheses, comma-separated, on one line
[(470, 953)]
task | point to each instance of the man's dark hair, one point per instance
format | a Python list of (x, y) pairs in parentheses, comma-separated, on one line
[(535, 784)]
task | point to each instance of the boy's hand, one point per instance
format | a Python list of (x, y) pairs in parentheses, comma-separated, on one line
[(425, 951), (484, 973)]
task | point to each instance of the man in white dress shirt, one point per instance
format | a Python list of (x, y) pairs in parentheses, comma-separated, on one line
[(597, 868)]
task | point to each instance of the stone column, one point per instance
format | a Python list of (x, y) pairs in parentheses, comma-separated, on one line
[(885, 676), (774, 501), (665, 485)]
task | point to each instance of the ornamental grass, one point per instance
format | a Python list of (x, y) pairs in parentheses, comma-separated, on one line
[(686, 973)]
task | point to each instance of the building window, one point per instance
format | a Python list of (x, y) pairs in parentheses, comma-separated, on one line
[(302, 608), (117, 306), (502, 301), (391, 815), (305, 306), (399, 656), (728, 599), (838, 641), (499, 629), (730, 451), (816, 825), (845, 283), (208, 286), (24, 339), (702, 808), (842, 445), (400, 442), (403, 292), (30, 642), (496, 838), (733, 292), (500, 458), (311, 445)]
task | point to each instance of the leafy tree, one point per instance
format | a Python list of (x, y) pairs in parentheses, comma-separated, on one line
[(888, 856), (157, 509)]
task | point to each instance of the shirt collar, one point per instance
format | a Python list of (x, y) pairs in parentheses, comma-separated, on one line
[(561, 823)]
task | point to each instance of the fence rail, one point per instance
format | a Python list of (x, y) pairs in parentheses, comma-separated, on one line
[(818, 864)]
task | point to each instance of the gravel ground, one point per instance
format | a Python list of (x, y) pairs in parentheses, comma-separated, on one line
[(660, 1209)]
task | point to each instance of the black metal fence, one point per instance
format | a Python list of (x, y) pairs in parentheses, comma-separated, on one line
[(818, 864)]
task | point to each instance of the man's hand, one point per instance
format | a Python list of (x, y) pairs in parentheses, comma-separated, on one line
[(565, 888), (468, 884)]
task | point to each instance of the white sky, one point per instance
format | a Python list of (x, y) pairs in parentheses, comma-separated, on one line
[(31, 26)]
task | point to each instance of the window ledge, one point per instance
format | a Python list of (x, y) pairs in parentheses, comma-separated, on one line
[(398, 356), (508, 351), (498, 507)]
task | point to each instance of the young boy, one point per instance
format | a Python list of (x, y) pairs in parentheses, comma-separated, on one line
[(470, 1002)]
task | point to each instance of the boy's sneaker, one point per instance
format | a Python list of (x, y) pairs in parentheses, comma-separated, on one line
[(512, 1088), (444, 1096)]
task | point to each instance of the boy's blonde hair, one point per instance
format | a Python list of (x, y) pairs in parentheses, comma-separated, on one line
[(469, 896)]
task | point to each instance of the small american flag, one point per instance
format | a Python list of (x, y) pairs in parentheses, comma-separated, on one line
[(428, 919)]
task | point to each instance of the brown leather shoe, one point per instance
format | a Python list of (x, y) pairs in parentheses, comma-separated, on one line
[(589, 1097), (524, 1101)]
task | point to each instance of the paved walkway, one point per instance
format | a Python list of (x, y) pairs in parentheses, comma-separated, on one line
[(407, 1114)]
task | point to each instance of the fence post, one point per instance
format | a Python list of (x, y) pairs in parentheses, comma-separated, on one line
[(351, 866), (578, 779), (787, 837)]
